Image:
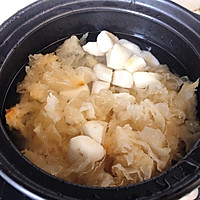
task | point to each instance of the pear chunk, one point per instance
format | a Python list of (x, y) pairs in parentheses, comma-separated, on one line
[(93, 49), (94, 129), (146, 79), (122, 78), (106, 40), (134, 64), (99, 85), (83, 146), (131, 46), (117, 56), (103, 73)]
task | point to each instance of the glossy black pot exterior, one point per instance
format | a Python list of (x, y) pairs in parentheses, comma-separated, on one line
[(173, 34)]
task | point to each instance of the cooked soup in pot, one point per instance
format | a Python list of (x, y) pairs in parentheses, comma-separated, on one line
[(103, 113)]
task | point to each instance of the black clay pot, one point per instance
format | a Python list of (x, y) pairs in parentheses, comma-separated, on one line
[(173, 33)]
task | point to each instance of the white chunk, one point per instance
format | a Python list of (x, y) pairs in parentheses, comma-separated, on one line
[(87, 74), (145, 79), (94, 129), (117, 56), (122, 78), (102, 72), (99, 85), (84, 147), (93, 49), (150, 59), (105, 41), (131, 46), (71, 93), (134, 64)]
